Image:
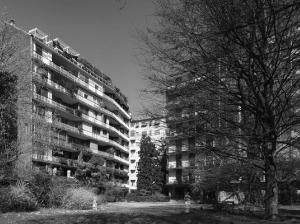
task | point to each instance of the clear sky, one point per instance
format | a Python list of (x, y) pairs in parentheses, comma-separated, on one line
[(97, 29)]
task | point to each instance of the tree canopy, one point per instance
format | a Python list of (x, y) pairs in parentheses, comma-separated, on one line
[(149, 169)]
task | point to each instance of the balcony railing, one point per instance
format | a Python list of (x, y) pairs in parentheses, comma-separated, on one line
[(176, 150), (76, 130), (76, 79), (99, 107), (56, 160), (105, 96), (118, 145), (178, 165), (54, 103), (98, 137), (66, 127), (87, 70)]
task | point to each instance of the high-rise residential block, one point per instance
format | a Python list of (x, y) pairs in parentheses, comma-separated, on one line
[(88, 116)]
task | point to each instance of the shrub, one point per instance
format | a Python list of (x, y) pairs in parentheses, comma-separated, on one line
[(142, 197), (41, 185), (17, 198), (59, 190), (78, 198), (115, 193), (101, 199)]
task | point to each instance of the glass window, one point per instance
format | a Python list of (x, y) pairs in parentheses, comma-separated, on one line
[(39, 50)]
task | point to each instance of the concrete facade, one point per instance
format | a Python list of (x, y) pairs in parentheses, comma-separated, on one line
[(69, 111)]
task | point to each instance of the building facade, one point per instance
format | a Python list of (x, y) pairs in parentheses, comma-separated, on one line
[(88, 116), (156, 129), (182, 139)]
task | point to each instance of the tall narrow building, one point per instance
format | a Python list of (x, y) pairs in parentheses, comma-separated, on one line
[(156, 130), (88, 116)]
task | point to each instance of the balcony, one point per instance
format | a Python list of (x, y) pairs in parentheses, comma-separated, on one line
[(66, 127), (102, 124), (80, 81), (108, 98), (67, 74), (100, 108), (179, 165), (119, 146), (114, 157), (115, 171), (53, 103), (55, 160), (96, 136), (51, 83), (175, 150)]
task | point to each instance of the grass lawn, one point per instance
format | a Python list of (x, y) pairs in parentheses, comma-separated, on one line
[(110, 214)]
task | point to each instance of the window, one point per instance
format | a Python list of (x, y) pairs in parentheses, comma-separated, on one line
[(132, 151), (132, 171), (132, 161), (85, 96), (39, 50), (26, 129), (96, 130), (156, 132), (132, 133), (150, 133), (144, 124), (96, 87), (144, 133), (132, 182)]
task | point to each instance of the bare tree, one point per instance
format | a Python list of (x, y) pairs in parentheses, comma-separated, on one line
[(233, 66)]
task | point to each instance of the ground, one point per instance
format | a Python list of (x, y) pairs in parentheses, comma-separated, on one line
[(132, 213)]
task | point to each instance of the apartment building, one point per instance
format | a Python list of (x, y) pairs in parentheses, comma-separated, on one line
[(182, 140), (88, 115), (156, 129)]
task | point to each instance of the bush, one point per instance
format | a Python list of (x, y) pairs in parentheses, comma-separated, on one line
[(142, 197), (17, 198), (78, 198), (59, 190), (101, 199), (41, 186), (115, 193)]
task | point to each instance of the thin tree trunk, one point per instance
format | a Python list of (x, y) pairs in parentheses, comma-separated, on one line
[(271, 196)]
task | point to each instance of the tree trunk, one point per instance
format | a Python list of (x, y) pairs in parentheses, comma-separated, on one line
[(271, 196)]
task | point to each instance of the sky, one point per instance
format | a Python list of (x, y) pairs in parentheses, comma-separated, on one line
[(102, 31)]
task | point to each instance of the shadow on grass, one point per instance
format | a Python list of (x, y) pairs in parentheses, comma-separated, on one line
[(130, 218)]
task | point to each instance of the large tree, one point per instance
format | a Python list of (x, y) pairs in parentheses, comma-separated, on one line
[(240, 59), (149, 169)]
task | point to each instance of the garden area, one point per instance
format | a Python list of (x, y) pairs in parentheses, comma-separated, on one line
[(134, 213)]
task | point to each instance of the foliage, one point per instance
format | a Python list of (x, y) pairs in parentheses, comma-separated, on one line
[(140, 196), (78, 198), (149, 169), (8, 123), (17, 198), (41, 185), (245, 106), (92, 173), (115, 193)]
